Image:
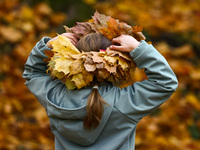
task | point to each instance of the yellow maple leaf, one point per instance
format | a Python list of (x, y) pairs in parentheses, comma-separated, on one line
[(76, 66), (63, 65), (69, 83), (63, 46), (57, 74), (111, 60), (123, 63), (82, 79)]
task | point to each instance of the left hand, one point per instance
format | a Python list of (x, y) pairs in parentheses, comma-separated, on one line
[(72, 37)]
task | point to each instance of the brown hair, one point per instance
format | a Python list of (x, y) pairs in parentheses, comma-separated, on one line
[(93, 42), (95, 103)]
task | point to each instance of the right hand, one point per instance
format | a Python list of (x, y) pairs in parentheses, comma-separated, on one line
[(72, 37), (126, 43)]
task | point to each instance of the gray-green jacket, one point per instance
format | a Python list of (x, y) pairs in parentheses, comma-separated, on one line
[(66, 109)]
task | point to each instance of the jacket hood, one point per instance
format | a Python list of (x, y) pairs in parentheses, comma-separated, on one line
[(66, 120)]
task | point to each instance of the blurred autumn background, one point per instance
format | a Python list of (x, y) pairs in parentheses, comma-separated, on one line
[(173, 26)]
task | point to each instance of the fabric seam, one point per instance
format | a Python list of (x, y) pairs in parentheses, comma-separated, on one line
[(125, 115)]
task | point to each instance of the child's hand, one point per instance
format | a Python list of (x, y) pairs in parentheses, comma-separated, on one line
[(71, 36), (126, 43)]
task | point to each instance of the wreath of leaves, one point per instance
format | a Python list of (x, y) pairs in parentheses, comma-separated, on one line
[(80, 69)]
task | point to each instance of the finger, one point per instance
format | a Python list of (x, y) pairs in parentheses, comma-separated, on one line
[(49, 45), (119, 48)]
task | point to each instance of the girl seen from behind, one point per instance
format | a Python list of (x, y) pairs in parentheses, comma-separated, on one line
[(100, 116)]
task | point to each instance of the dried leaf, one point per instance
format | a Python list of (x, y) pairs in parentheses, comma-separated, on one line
[(88, 60), (57, 74), (103, 74), (63, 65), (90, 67), (130, 78), (111, 68), (69, 83), (79, 80), (76, 66), (100, 65), (82, 79), (123, 63), (106, 25), (81, 29), (111, 60), (48, 53), (97, 58), (63, 46), (121, 54), (137, 29)]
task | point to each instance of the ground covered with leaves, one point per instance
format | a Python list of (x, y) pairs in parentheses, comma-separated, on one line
[(172, 26)]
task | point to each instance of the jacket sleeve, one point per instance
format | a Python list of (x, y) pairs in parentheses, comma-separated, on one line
[(37, 80), (144, 97)]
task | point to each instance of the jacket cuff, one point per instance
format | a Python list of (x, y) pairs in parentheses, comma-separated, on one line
[(139, 50), (41, 45)]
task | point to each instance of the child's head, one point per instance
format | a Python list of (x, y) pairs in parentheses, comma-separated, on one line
[(93, 42)]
